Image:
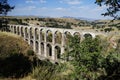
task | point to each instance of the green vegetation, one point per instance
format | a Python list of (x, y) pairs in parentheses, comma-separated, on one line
[(90, 62), (14, 59), (113, 7)]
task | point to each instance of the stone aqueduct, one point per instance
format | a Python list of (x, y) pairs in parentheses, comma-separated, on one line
[(47, 47)]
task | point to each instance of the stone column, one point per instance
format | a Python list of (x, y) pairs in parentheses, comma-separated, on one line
[(24, 32), (53, 46), (45, 44), (34, 45), (53, 52), (63, 43), (28, 36), (39, 41), (34, 35), (34, 40), (20, 31), (10, 28), (39, 50)]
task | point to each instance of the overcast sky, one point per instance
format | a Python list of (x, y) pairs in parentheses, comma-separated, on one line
[(58, 8)]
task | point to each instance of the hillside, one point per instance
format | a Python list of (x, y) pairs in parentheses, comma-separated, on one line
[(10, 43)]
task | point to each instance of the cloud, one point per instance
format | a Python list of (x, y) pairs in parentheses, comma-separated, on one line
[(29, 1), (42, 1), (35, 1), (71, 2), (60, 8)]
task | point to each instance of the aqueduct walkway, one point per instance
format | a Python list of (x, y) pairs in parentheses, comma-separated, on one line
[(48, 43)]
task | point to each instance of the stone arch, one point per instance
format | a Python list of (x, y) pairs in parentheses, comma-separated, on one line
[(42, 48), (87, 35), (36, 33), (18, 31), (66, 36), (22, 31), (37, 47), (77, 34), (58, 37), (57, 52), (15, 31), (42, 35), (11, 28), (49, 50), (49, 36), (26, 32), (31, 33), (31, 43), (26, 40)]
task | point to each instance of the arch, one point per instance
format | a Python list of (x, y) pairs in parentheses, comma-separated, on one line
[(58, 37), (42, 35), (87, 35), (49, 36), (18, 31), (31, 43), (66, 36), (11, 28), (26, 32), (37, 47), (26, 40), (42, 48), (57, 52), (31, 33), (22, 31), (15, 29), (36, 33), (49, 50), (77, 34)]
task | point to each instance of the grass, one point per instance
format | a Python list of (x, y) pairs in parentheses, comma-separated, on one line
[(10, 42)]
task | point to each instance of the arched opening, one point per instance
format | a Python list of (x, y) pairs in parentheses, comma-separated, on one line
[(31, 33), (42, 48), (49, 36), (87, 35), (37, 46), (22, 32), (26, 40), (49, 50), (26, 32), (31, 43), (57, 52), (42, 35), (77, 34), (18, 31), (58, 37), (15, 29), (67, 35), (36, 33)]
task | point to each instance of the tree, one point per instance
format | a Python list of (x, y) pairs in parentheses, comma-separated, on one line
[(85, 56), (113, 7), (4, 9)]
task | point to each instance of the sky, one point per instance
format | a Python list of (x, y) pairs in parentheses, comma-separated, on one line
[(57, 8)]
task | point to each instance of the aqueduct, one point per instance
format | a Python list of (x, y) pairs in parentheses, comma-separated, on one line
[(48, 43)]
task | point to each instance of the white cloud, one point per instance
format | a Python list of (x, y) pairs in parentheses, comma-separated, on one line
[(60, 8), (71, 2), (29, 1), (42, 1), (35, 1)]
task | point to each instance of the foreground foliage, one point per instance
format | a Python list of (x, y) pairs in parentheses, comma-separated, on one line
[(89, 61)]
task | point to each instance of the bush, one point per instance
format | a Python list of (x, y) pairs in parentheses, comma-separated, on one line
[(14, 59), (16, 65)]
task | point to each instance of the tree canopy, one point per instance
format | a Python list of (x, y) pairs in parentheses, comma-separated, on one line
[(113, 7), (5, 7)]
